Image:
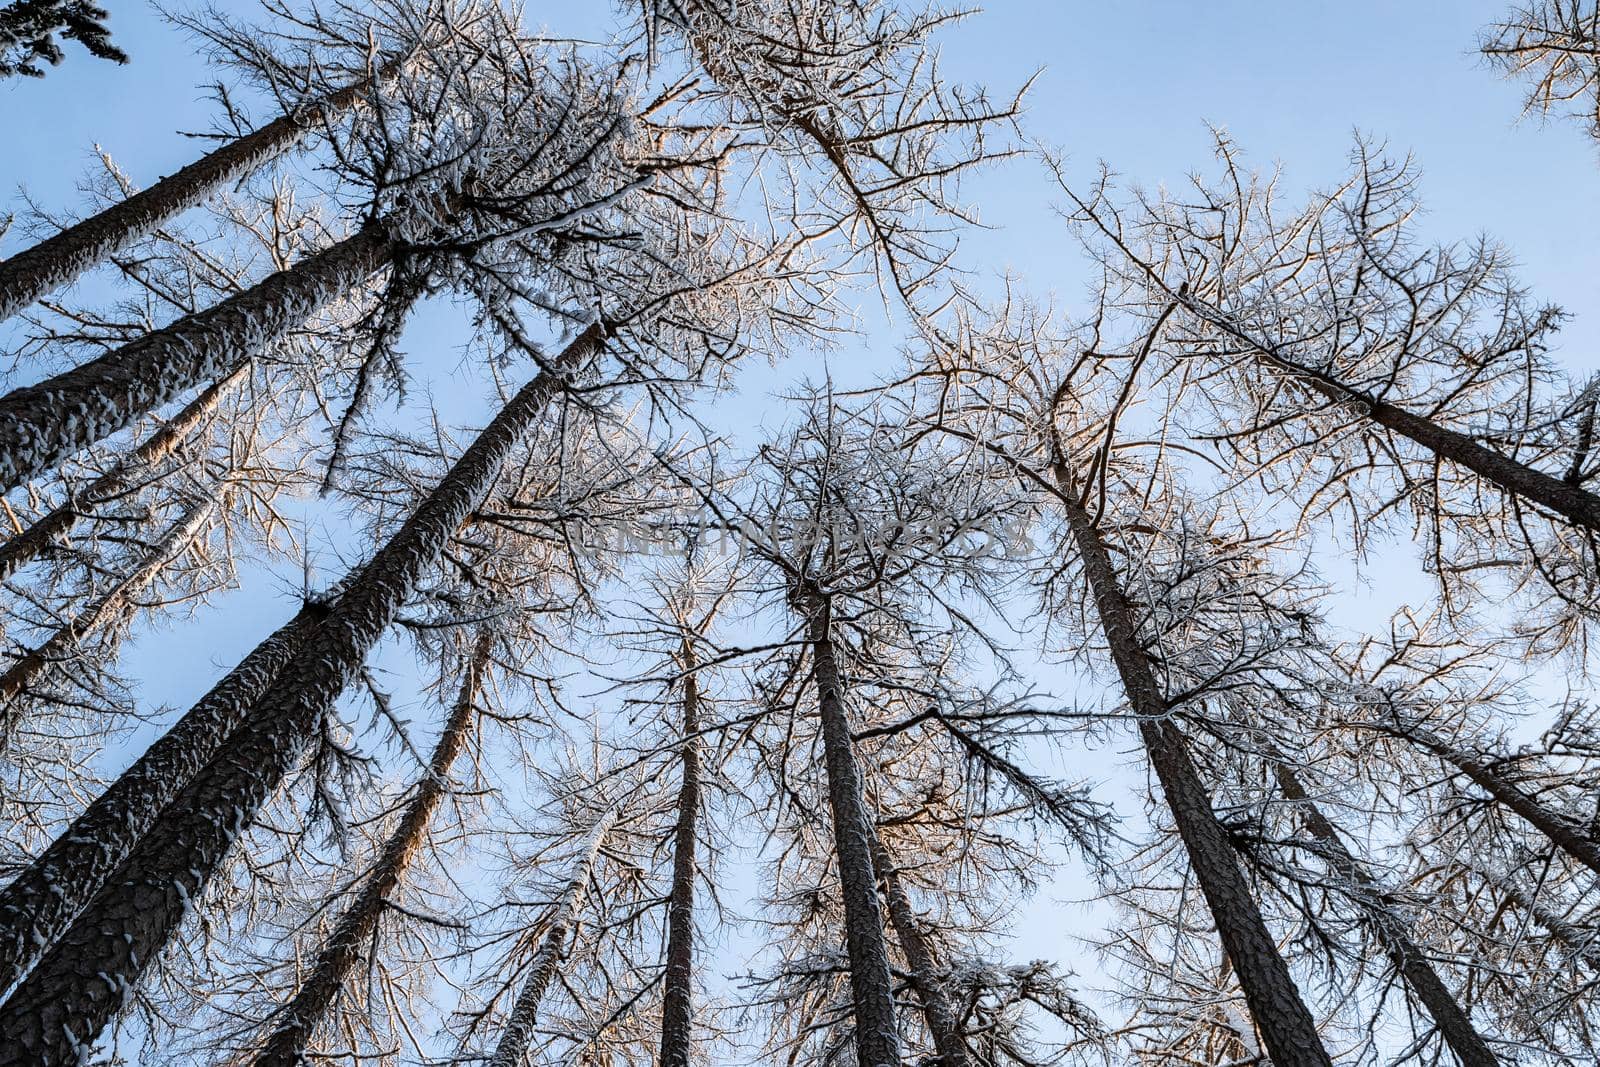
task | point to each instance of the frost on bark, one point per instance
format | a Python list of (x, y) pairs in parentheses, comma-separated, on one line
[(518, 1033), (677, 1009), (944, 1024), (63, 642), (871, 988), (1381, 912), (37, 539), (42, 424), (54, 262), (1286, 1025), (37, 906), (297, 1022), (80, 985)]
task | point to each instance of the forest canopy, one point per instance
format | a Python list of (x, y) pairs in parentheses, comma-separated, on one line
[(431, 637)]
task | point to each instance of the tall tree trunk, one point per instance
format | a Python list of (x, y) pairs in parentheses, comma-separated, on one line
[(1565, 833), (1286, 1024), (944, 1023), (1382, 914), (57, 260), (299, 1019), (518, 1032), (63, 642), (871, 987), (44, 898), (42, 424), (33, 542), (77, 988), (1577, 505), (677, 1010)]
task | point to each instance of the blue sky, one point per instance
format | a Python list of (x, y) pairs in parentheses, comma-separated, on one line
[(1134, 83)]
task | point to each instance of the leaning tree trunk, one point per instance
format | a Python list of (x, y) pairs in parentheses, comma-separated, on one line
[(1580, 942), (57, 260), (33, 542), (1565, 833), (871, 988), (79, 986), (1286, 1024), (1577, 505), (44, 898), (294, 1026), (42, 424), (63, 642), (1382, 914), (677, 1010), (518, 1033), (944, 1024)]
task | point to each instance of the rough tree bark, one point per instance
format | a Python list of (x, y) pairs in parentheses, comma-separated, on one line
[(297, 1022), (871, 986), (79, 986), (63, 641), (57, 260), (42, 424), (1286, 1024), (518, 1032), (36, 540), (44, 898), (944, 1023), (1382, 914), (677, 1009)]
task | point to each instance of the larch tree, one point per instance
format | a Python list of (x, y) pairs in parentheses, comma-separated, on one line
[(334, 70), (568, 931), (295, 1024), (1022, 405), (1393, 379), (673, 633), (512, 580), (649, 297), (870, 545)]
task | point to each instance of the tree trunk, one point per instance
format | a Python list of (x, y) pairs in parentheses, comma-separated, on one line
[(33, 542), (298, 1021), (38, 905), (518, 1033), (1577, 505), (1286, 1025), (56, 261), (944, 1024), (677, 1012), (80, 984), (63, 641), (1566, 834), (42, 424), (1381, 911), (1580, 942), (871, 988)]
